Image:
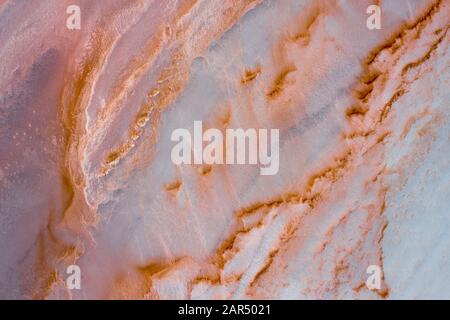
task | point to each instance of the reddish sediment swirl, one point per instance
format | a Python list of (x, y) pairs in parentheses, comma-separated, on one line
[(86, 176)]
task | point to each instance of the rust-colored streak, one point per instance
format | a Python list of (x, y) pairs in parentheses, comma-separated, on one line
[(280, 83)]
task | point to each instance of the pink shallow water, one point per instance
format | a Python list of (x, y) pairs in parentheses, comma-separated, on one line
[(86, 176)]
